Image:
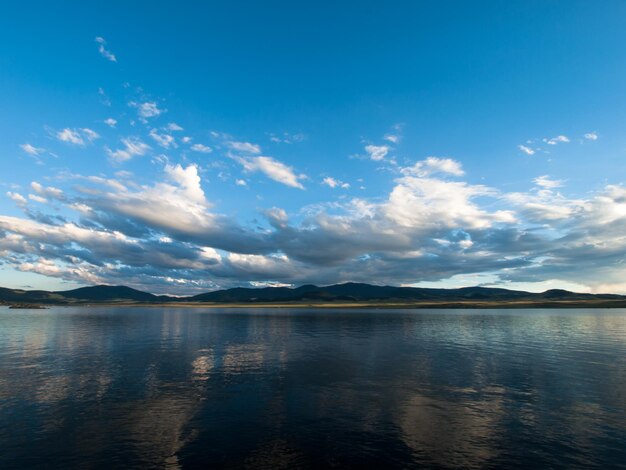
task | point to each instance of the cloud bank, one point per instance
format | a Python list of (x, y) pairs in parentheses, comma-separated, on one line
[(168, 237)]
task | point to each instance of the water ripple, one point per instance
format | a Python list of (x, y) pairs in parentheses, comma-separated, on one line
[(255, 388)]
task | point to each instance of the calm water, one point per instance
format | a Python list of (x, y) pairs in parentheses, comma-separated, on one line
[(169, 388)]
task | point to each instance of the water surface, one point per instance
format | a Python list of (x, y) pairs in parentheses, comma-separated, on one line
[(294, 388)]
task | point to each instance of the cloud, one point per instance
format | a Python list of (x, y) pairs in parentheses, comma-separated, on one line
[(240, 182), (396, 135), (277, 217), (77, 136), (148, 109), (545, 182), (176, 208), (34, 197), (320, 250), (17, 198), (201, 148), (166, 236), (591, 136), (31, 150), (377, 152), (557, 140), (164, 140), (526, 150), (433, 165), (287, 138), (333, 183), (133, 146), (543, 206), (48, 192), (172, 126), (423, 203), (104, 52), (273, 169), (245, 147), (587, 242), (104, 99), (53, 243), (188, 179), (110, 122)]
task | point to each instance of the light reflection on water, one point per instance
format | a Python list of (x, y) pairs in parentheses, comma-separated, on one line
[(170, 388)]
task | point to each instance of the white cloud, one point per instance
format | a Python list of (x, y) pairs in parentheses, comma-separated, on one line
[(273, 169), (148, 109), (377, 152), (258, 263), (240, 182), (557, 140), (77, 136), (545, 182), (164, 140), (201, 148), (104, 52), (31, 150), (133, 146), (110, 122), (89, 134), (17, 198), (396, 135), (34, 197), (189, 180), (104, 99), (261, 284), (287, 138), (334, 183), (177, 207), (172, 126), (42, 266), (434, 165), (245, 147), (49, 192), (219, 135), (426, 203), (543, 206), (123, 174), (591, 136), (526, 150)]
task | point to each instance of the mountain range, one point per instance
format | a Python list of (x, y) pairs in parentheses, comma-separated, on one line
[(339, 293)]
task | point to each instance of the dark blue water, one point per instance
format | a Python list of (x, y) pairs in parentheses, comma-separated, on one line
[(167, 388)]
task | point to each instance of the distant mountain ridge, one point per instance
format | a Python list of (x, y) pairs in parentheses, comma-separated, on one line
[(346, 293), (108, 293)]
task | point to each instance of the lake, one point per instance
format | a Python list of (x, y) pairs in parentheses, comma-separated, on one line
[(299, 388)]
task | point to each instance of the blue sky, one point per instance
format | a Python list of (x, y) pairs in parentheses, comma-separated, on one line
[(190, 146)]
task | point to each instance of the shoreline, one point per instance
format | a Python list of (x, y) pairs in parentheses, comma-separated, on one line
[(343, 305)]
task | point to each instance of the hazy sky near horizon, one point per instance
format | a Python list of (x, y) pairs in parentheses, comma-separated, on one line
[(186, 146)]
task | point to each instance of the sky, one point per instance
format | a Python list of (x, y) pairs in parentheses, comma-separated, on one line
[(183, 147)]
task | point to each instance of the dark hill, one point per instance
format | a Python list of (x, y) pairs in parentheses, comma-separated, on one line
[(348, 292), (358, 292), (108, 294), (19, 295)]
